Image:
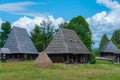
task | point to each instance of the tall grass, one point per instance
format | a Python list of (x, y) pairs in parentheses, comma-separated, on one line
[(26, 71)]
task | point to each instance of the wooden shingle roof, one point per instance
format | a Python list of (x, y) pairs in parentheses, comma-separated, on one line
[(66, 41), (4, 50), (109, 47), (20, 42)]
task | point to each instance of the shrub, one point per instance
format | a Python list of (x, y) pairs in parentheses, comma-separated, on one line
[(92, 59)]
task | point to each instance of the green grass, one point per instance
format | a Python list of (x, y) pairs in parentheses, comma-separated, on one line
[(25, 71)]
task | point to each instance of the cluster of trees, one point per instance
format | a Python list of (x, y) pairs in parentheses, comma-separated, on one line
[(5, 31), (116, 38), (42, 35)]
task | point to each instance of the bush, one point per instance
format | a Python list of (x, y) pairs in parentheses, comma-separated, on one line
[(92, 59)]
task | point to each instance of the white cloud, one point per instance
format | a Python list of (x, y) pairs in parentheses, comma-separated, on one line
[(105, 22), (15, 7), (1, 21), (21, 8), (29, 23), (109, 4)]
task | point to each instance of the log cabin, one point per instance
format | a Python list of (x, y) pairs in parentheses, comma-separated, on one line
[(20, 45), (108, 50), (67, 47)]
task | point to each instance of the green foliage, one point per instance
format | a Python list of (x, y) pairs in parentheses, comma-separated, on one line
[(103, 62), (6, 29), (96, 52), (26, 71), (81, 27), (64, 25), (42, 35), (92, 59), (116, 38)]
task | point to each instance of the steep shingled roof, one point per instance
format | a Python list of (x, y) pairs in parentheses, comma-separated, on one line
[(109, 47), (66, 41), (20, 42), (4, 50)]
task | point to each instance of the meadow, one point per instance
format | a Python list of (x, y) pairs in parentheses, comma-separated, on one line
[(102, 70)]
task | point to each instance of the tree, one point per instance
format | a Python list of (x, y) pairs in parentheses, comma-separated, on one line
[(36, 37), (42, 35), (116, 38), (47, 32), (64, 25), (6, 29), (81, 27), (92, 58), (103, 40)]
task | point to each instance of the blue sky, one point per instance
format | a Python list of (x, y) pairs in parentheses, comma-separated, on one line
[(102, 15), (58, 8)]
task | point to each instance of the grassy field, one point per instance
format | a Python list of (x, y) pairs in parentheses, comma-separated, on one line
[(26, 71)]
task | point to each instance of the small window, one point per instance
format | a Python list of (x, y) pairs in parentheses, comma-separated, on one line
[(77, 41)]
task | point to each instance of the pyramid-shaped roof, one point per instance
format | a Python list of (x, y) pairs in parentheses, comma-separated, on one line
[(20, 42), (109, 47), (4, 50), (66, 41)]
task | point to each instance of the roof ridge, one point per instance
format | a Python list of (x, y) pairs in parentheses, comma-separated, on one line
[(64, 42), (17, 43), (109, 45)]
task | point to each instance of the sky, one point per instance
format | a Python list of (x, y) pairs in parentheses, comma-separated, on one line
[(102, 15)]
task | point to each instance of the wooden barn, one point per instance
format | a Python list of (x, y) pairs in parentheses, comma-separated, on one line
[(67, 47), (108, 50), (20, 45)]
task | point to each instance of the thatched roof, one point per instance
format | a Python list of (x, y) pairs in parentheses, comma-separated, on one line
[(20, 42), (66, 41), (43, 61), (4, 50), (109, 47)]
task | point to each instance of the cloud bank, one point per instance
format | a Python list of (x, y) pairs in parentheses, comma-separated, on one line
[(29, 23), (105, 22)]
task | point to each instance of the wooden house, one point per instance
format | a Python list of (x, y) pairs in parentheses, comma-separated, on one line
[(67, 47), (20, 45), (108, 50)]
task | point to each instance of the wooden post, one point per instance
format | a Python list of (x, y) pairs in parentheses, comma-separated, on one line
[(67, 58), (1, 57), (25, 56), (118, 59), (18, 57), (13, 56), (76, 59)]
